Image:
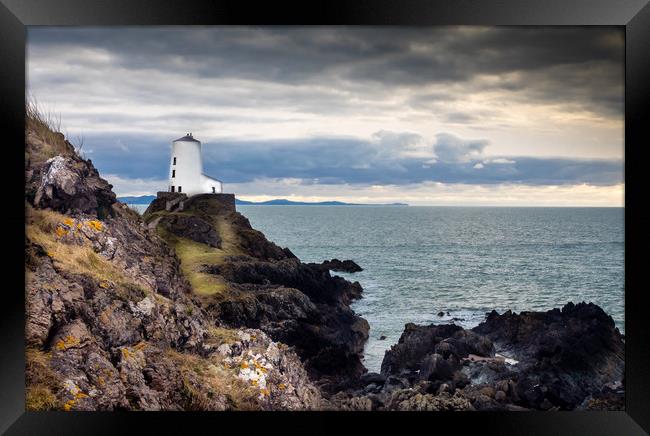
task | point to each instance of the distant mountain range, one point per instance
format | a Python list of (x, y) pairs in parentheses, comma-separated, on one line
[(146, 199), (285, 202)]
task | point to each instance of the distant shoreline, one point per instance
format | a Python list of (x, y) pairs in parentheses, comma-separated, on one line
[(146, 199)]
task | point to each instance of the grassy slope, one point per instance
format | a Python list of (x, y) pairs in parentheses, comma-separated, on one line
[(194, 256)]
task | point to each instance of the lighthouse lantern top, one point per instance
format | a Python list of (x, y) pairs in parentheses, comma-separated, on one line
[(187, 138)]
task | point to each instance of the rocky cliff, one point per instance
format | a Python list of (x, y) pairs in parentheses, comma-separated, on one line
[(244, 280), (112, 321)]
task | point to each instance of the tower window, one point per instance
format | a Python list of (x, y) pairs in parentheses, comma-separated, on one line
[(179, 189), (174, 161), (173, 173), (172, 188)]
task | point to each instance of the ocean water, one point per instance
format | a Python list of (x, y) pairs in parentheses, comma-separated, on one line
[(419, 261), (467, 261)]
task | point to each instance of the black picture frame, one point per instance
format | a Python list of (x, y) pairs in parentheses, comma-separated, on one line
[(633, 15)]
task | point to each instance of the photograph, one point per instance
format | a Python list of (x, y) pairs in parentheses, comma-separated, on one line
[(325, 218)]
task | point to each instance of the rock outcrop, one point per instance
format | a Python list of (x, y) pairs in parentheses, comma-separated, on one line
[(348, 266), (564, 354), (556, 360), (268, 288), (191, 227), (67, 185)]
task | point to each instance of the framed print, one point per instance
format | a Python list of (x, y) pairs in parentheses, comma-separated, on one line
[(352, 212)]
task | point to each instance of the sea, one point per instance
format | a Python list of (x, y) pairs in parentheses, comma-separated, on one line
[(462, 261)]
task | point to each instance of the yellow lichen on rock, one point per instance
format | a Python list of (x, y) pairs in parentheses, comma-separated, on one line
[(65, 343), (96, 225)]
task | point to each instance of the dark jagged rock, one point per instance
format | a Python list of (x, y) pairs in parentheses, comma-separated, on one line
[(415, 343), (191, 227), (301, 305), (372, 377), (434, 354), (69, 184), (436, 367), (314, 282), (463, 343), (348, 266), (564, 355), (563, 359)]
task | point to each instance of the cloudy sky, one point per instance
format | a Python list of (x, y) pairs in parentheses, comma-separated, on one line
[(440, 116)]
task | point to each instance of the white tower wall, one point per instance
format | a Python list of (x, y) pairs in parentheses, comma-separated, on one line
[(186, 169)]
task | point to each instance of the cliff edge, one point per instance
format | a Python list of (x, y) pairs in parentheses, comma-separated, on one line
[(244, 280), (112, 322)]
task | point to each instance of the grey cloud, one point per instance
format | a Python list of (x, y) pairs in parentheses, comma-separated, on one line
[(460, 118), (451, 149), (341, 71), (578, 65), (339, 160)]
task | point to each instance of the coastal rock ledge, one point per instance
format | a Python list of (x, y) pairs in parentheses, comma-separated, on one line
[(562, 359), (189, 308)]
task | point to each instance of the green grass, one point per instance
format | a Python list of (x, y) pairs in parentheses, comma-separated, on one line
[(194, 255)]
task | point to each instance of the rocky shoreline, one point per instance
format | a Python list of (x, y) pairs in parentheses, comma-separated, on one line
[(565, 359), (190, 308)]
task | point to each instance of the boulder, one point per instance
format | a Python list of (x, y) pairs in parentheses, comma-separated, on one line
[(72, 185), (415, 343)]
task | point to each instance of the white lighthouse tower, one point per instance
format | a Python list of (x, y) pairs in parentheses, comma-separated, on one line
[(186, 169)]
